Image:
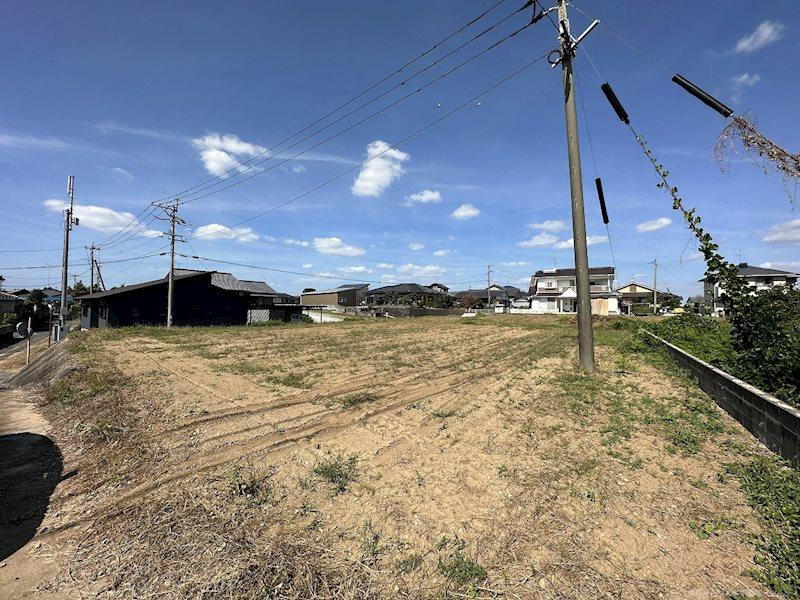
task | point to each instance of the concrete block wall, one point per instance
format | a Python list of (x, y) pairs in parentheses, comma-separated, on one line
[(775, 423)]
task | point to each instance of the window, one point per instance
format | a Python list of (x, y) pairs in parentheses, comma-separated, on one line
[(767, 280), (103, 311), (135, 313)]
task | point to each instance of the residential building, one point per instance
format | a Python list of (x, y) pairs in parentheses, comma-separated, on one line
[(633, 295), (361, 291), (758, 278), (342, 296), (554, 291), (409, 294), (8, 303), (496, 295), (199, 298)]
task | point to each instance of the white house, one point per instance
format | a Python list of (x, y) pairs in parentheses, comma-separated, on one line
[(758, 278), (553, 291)]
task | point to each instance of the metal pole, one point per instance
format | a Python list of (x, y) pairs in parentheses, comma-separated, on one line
[(174, 210), (28, 349), (488, 286), (585, 334), (655, 288), (91, 269), (62, 311)]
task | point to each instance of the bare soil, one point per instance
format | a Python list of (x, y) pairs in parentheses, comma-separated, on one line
[(404, 458)]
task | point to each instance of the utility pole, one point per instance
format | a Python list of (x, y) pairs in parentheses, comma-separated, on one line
[(91, 250), (567, 53), (655, 288), (69, 221), (174, 219), (488, 286), (100, 277)]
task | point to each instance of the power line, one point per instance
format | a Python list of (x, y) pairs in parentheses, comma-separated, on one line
[(344, 104), (80, 264), (36, 250), (390, 147), (353, 125)]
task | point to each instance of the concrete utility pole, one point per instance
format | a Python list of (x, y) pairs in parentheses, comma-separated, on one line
[(69, 221), (585, 333), (655, 288), (174, 219), (91, 250), (488, 286)]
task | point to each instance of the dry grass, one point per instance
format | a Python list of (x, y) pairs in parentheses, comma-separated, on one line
[(424, 457)]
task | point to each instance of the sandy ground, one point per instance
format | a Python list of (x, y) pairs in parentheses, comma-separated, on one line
[(470, 444)]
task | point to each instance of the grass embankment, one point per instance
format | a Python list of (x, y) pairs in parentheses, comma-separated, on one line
[(412, 458)]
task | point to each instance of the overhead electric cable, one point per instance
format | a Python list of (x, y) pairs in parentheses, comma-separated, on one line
[(80, 264), (390, 147)]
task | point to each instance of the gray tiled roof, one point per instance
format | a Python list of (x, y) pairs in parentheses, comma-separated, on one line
[(571, 272)]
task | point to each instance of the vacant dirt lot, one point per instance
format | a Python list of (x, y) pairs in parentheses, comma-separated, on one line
[(405, 458)]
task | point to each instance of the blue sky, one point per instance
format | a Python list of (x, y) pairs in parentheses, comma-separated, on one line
[(141, 101)]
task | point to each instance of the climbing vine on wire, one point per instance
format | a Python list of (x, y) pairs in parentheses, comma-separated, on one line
[(763, 152)]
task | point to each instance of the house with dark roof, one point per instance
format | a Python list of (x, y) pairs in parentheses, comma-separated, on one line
[(409, 294), (360, 288), (199, 298), (554, 291), (635, 294), (341, 296), (8, 302), (758, 278), (496, 295)]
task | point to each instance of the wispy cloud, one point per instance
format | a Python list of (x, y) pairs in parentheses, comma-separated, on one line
[(783, 233), (355, 270), (552, 225), (465, 211), (334, 245), (519, 263), (102, 218), (539, 240), (591, 240), (426, 196), (791, 265), (385, 166), (216, 231), (654, 225), (29, 142), (421, 270), (766, 33), (308, 265), (741, 82), (386, 266), (415, 246), (123, 174), (442, 252), (110, 127)]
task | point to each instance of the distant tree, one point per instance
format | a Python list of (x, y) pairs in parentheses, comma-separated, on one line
[(2, 279), (34, 297), (79, 289), (469, 301), (669, 302)]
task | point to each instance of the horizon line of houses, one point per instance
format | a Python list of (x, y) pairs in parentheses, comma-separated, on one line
[(216, 297)]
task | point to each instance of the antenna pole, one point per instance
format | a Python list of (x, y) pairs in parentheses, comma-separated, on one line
[(488, 286), (69, 221), (585, 334)]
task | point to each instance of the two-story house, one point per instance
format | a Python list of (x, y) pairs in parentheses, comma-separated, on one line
[(554, 291), (758, 278)]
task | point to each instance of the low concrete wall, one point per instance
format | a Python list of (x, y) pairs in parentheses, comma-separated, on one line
[(774, 423)]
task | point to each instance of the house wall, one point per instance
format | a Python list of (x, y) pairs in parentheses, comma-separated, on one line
[(346, 297), (7, 306)]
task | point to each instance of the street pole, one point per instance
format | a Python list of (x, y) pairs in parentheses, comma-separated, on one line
[(655, 288), (585, 334), (68, 222), (174, 219), (91, 269), (488, 286)]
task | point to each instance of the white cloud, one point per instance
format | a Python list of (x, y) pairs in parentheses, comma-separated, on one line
[(539, 240), (766, 33), (388, 278), (385, 164), (782, 265), (591, 240), (784, 233), (415, 246), (308, 265), (299, 169), (29, 142), (101, 218), (551, 225), (357, 269), (423, 197), (222, 153), (386, 266), (654, 225), (638, 275), (334, 245), (421, 270), (465, 211), (122, 173), (442, 252), (740, 82), (289, 241), (215, 231), (519, 263)]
